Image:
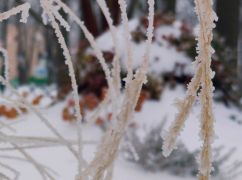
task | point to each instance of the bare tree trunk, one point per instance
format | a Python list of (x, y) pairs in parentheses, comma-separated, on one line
[(170, 6), (239, 61), (115, 13), (89, 17), (4, 7), (60, 69), (3, 34), (22, 55), (227, 26), (131, 8), (115, 10)]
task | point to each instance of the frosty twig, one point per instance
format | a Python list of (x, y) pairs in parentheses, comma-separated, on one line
[(24, 9), (108, 150), (203, 79)]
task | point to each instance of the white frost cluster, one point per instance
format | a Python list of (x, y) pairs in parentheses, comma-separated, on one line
[(202, 78), (23, 9), (102, 164)]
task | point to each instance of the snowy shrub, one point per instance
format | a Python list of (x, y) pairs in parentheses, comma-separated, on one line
[(146, 151)]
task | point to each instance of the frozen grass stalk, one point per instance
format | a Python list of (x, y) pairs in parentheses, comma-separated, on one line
[(52, 13), (129, 63), (101, 167), (24, 9), (203, 78), (108, 150), (206, 17)]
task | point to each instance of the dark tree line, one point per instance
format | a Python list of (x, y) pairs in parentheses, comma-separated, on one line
[(229, 26), (239, 69), (89, 14)]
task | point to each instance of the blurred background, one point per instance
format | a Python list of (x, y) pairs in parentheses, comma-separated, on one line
[(36, 57), (38, 71)]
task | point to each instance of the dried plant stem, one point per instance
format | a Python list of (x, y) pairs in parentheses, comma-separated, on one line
[(98, 53), (31, 140), (91, 40), (4, 177), (203, 79), (207, 120), (39, 145), (25, 160), (108, 149), (41, 117), (42, 172), (123, 7), (15, 172), (96, 113), (113, 30), (116, 71), (48, 7), (109, 175), (184, 107), (24, 9), (101, 167), (7, 126)]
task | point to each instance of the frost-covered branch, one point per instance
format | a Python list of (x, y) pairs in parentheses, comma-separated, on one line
[(184, 108), (41, 117), (116, 71), (91, 40), (203, 78), (4, 177), (15, 172), (31, 160), (23, 9), (108, 150), (50, 10), (206, 17), (123, 7), (116, 60)]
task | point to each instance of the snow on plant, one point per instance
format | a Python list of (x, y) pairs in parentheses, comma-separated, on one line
[(123, 108), (203, 79), (182, 162), (24, 10), (102, 164)]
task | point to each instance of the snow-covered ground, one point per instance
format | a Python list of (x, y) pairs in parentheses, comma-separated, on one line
[(59, 159)]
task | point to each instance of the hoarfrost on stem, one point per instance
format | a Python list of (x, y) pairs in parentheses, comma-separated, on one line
[(102, 165), (202, 78)]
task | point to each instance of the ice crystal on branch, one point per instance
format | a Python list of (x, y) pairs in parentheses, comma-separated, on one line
[(23, 9), (203, 78), (108, 150), (103, 162), (101, 166)]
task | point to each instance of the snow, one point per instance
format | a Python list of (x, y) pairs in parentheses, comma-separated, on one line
[(163, 58), (30, 93), (60, 160)]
